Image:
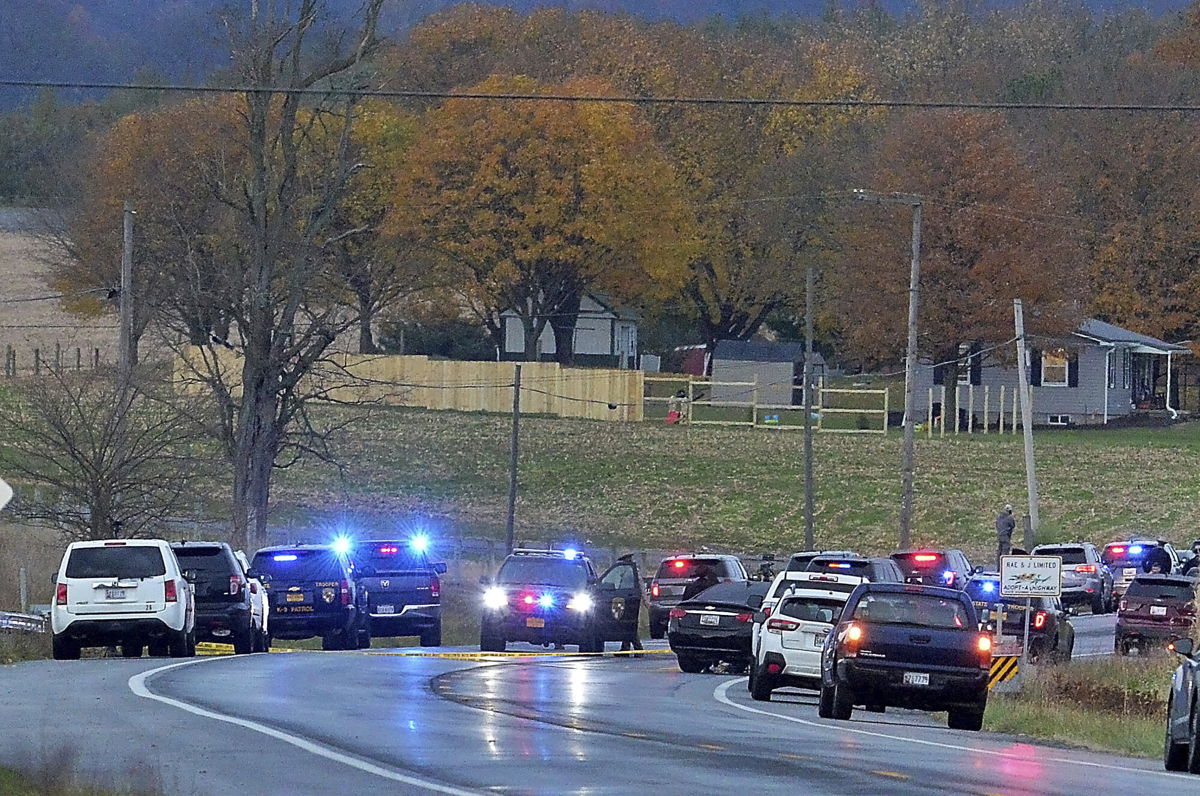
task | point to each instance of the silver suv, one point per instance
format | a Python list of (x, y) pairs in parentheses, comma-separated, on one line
[(683, 576), (1086, 579)]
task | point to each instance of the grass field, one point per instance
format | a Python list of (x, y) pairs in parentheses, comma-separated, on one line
[(655, 486)]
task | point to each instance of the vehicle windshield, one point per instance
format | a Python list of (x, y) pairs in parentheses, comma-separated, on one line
[(787, 583), (1069, 555), (812, 609), (543, 571), (133, 561), (207, 561), (390, 558), (1173, 591), (734, 593), (840, 566), (688, 567), (902, 608), (316, 565), (928, 569)]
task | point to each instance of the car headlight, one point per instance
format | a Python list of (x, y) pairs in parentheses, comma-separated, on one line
[(581, 602), (495, 598)]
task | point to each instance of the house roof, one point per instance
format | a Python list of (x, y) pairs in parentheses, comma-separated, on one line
[(1110, 333), (762, 351), (608, 309)]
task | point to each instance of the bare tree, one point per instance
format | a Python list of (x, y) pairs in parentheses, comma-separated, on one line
[(108, 460)]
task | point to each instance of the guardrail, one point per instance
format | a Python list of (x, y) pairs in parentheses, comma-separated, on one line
[(21, 623)]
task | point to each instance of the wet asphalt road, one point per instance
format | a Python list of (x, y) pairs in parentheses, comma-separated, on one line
[(375, 722)]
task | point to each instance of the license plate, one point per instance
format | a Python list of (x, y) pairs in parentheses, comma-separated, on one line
[(385, 609), (1128, 573), (916, 678), (295, 597), (1158, 610), (535, 621), (710, 619), (114, 594), (817, 639)]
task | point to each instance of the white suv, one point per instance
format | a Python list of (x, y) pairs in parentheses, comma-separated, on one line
[(790, 640), (122, 591)]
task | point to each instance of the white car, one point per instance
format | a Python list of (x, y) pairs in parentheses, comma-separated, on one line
[(792, 579), (260, 611), (129, 592), (790, 640)]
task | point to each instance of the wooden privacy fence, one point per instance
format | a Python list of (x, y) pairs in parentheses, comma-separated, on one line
[(703, 402), (59, 359), (417, 381), (980, 409)]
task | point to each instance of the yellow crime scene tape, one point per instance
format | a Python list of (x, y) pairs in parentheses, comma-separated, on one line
[(210, 648), (1004, 668)]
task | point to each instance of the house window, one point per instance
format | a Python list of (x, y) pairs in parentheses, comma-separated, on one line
[(1059, 420), (1055, 364), (1113, 365)]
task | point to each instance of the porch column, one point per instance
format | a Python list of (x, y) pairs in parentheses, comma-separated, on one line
[(1168, 404)]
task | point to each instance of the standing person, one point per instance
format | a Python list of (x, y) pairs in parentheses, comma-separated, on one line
[(1005, 525), (705, 578)]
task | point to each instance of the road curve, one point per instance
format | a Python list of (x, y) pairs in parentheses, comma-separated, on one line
[(362, 722)]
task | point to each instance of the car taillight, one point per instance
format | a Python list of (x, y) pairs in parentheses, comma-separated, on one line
[(677, 613), (169, 592), (60, 596), (654, 589), (235, 585), (1039, 619), (744, 617), (345, 592), (1123, 606), (767, 609), (1116, 550), (926, 558), (851, 639), (984, 646), (435, 587), (779, 625), (1086, 569)]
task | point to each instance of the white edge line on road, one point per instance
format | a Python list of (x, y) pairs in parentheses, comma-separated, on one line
[(720, 693), (137, 684)]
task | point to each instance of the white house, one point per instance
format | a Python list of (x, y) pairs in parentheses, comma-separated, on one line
[(604, 336)]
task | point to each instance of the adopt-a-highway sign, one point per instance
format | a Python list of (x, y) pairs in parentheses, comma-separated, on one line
[(1030, 576), (6, 493)]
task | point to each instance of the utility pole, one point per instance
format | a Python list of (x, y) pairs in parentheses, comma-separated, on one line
[(509, 525), (1026, 415), (907, 476), (809, 282), (126, 354)]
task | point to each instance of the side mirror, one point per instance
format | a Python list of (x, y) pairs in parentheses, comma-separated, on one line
[(760, 617), (53, 578), (440, 567), (755, 601), (1184, 646)]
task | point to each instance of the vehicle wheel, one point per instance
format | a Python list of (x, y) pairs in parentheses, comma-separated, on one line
[(763, 685), (657, 631), (490, 640), (1099, 604), (266, 642), (1193, 761), (691, 664), (191, 648), (432, 637), (591, 643), (65, 649), (751, 678), (131, 650), (970, 719), (177, 645), (243, 644), (333, 641), (362, 638), (843, 702), (1175, 756), (825, 703)]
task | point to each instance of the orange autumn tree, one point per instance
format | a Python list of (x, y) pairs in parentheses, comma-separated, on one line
[(534, 203), (987, 239)]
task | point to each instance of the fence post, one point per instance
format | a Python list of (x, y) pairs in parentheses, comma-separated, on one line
[(986, 407), (1000, 413), (957, 406), (1014, 409), (691, 397), (929, 423), (78, 359), (8, 358), (753, 412), (37, 362), (886, 406), (943, 429), (95, 359), (971, 409)]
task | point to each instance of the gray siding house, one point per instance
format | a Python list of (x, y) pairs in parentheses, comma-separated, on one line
[(1098, 373), (777, 367), (605, 336)]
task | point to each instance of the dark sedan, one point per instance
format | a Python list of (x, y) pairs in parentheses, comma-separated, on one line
[(1181, 750), (716, 626)]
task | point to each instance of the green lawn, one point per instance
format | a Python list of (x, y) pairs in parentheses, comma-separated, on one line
[(652, 485)]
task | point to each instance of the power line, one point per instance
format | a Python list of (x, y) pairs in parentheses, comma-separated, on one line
[(769, 102)]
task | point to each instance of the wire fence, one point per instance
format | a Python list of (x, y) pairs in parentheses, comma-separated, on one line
[(38, 361)]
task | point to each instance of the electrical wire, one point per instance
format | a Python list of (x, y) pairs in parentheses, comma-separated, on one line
[(613, 99)]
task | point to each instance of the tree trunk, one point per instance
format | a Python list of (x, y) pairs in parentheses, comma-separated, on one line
[(533, 331), (255, 448), (563, 322), (366, 338)]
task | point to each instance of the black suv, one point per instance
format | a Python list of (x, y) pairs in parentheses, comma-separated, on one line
[(909, 646), (679, 578), (875, 570), (555, 597), (1051, 634), (314, 592), (403, 588), (935, 567), (224, 612)]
